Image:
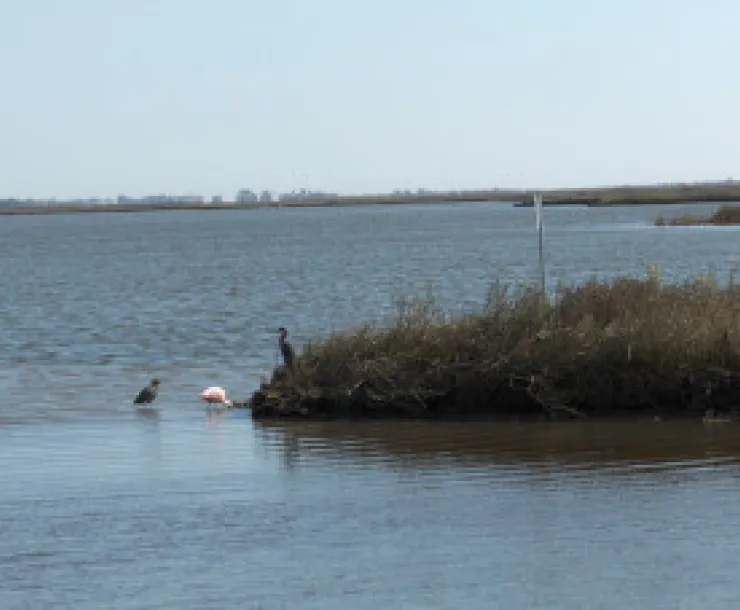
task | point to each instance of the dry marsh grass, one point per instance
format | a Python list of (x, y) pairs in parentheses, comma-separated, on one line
[(725, 215), (631, 345)]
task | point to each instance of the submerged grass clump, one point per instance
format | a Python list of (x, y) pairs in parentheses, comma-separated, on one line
[(724, 215), (605, 347)]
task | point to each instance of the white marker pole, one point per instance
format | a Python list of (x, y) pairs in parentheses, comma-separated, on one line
[(538, 211)]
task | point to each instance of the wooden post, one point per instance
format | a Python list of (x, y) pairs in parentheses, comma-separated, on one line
[(538, 212)]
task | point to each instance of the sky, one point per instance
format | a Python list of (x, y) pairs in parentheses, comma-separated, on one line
[(135, 97)]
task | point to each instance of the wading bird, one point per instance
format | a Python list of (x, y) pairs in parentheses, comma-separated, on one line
[(147, 394), (215, 396)]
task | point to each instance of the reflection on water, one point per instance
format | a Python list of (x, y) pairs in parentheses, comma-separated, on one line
[(204, 510), (150, 437), (629, 445)]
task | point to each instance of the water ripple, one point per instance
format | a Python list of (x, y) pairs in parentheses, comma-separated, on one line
[(104, 506)]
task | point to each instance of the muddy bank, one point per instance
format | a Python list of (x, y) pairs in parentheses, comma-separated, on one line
[(712, 395)]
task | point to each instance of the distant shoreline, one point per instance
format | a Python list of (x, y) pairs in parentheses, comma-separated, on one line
[(717, 192), (32, 210)]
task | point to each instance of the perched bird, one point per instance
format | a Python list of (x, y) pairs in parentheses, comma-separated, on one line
[(286, 349), (215, 396), (148, 394)]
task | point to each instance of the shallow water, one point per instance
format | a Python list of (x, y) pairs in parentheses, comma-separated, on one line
[(105, 507)]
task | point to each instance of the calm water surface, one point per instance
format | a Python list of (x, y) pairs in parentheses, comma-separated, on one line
[(105, 507)]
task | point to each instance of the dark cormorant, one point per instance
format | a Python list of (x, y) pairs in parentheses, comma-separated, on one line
[(148, 394), (286, 349)]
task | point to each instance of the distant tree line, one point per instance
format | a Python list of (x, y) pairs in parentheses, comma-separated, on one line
[(250, 196), (242, 196)]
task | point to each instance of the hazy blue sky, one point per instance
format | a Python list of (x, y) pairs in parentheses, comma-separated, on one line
[(101, 97)]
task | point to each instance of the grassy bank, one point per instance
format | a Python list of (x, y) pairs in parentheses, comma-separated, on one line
[(725, 215), (630, 346)]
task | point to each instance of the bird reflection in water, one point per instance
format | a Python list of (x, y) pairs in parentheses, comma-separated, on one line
[(214, 415), (147, 413), (151, 435)]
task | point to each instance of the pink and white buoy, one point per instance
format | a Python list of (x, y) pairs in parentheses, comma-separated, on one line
[(215, 396)]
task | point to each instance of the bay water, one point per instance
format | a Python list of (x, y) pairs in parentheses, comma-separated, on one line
[(106, 506)]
